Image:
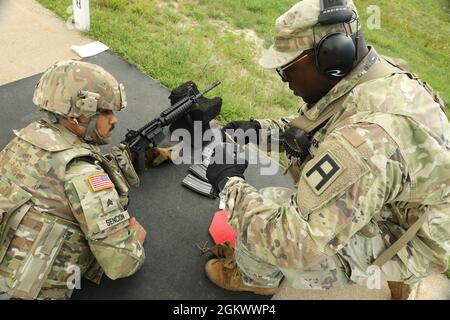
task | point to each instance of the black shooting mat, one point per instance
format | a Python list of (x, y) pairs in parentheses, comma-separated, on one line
[(176, 218)]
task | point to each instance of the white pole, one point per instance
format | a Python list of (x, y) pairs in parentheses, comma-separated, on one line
[(81, 14)]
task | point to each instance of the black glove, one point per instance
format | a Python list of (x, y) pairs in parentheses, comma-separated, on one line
[(251, 130), (225, 164)]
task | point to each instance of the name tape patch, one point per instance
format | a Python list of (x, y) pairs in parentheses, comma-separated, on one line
[(100, 182), (114, 220), (323, 173)]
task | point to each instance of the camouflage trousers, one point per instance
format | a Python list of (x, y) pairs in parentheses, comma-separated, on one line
[(258, 273), (349, 266), (4, 290)]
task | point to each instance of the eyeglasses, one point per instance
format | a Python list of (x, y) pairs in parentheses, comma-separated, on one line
[(281, 72)]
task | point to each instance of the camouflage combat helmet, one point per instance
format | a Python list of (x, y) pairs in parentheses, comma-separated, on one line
[(74, 88)]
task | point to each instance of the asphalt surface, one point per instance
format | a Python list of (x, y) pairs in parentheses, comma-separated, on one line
[(176, 218)]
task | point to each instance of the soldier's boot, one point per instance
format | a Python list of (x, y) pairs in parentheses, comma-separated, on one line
[(399, 290), (225, 273)]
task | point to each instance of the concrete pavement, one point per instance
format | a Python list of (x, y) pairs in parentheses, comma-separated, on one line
[(33, 38), (436, 287)]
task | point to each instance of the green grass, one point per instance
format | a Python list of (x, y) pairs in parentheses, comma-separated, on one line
[(177, 41), (417, 31)]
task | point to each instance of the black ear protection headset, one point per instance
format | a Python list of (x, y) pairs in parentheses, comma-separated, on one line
[(336, 53)]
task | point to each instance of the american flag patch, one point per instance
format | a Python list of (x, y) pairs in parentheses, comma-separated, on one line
[(100, 182)]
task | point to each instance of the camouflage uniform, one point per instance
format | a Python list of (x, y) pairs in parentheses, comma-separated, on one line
[(380, 162), (64, 209)]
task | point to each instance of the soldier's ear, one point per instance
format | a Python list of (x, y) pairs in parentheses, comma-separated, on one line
[(82, 120)]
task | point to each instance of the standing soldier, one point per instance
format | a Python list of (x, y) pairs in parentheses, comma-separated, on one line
[(370, 155), (62, 203)]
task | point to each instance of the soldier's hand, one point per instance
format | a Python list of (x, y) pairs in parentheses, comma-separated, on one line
[(225, 163), (156, 156), (248, 131), (140, 231)]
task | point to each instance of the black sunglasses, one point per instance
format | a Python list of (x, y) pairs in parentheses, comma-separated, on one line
[(281, 71)]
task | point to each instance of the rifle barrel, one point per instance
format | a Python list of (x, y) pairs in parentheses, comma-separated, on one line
[(166, 117)]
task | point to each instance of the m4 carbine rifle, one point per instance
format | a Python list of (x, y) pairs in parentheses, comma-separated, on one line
[(140, 141)]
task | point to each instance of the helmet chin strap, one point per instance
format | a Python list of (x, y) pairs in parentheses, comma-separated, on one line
[(92, 128), (100, 140)]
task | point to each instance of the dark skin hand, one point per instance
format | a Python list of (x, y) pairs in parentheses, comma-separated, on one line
[(305, 80)]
